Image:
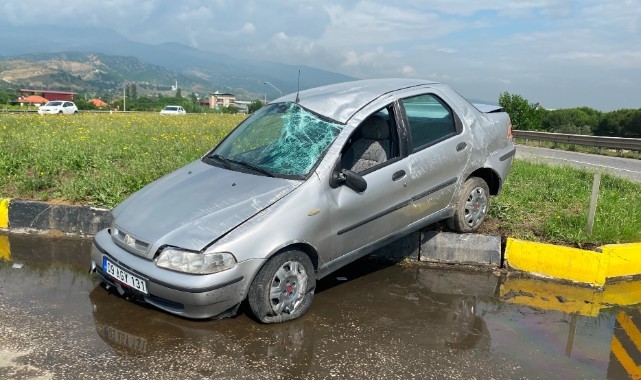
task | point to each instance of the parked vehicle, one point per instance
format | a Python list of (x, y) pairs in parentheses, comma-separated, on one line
[(173, 110), (304, 186), (58, 107)]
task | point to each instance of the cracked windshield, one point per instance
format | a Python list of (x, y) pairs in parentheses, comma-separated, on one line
[(282, 139)]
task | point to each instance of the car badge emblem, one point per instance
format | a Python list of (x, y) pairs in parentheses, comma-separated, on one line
[(128, 240)]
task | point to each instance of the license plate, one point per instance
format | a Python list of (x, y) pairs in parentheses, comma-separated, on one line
[(125, 339), (123, 276)]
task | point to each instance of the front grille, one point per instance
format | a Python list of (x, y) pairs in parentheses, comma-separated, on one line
[(130, 242)]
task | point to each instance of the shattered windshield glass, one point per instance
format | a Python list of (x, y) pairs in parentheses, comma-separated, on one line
[(279, 139)]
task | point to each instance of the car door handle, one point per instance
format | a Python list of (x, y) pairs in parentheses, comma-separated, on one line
[(398, 175), (461, 146)]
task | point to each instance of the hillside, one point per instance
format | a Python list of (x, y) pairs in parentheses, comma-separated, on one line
[(117, 58), (90, 72)]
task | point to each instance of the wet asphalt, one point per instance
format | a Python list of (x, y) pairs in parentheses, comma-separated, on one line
[(370, 320)]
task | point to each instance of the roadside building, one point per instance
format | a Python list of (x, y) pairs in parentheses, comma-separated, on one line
[(48, 94), (220, 100)]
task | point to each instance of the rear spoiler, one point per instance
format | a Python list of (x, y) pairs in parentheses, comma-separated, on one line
[(488, 108)]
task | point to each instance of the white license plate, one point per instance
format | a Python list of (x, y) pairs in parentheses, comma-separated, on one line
[(123, 276), (125, 339)]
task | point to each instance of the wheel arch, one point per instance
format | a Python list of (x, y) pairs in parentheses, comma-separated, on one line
[(490, 177), (306, 248)]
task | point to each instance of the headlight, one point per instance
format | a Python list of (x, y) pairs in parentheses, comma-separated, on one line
[(195, 262)]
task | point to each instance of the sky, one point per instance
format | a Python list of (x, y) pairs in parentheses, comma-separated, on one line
[(561, 53)]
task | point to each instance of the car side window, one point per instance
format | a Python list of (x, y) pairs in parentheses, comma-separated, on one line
[(430, 120), (372, 144)]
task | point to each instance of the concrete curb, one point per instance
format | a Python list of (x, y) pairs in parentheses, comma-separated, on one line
[(543, 260), (29, 216)]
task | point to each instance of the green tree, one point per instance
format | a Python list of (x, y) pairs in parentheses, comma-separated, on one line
[(255, 106), (524, 115), (581, 121), (229, 110), (7, 95), (621, 123), (178, 93)]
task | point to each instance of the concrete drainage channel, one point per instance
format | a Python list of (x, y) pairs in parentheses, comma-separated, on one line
[(591, 268)]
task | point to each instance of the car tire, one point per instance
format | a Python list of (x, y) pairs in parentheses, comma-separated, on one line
[(471, 207), (60, 113), (284, 288)]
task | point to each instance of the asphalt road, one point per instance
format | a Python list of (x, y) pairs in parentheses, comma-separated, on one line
[(623, 167), (370, 320)]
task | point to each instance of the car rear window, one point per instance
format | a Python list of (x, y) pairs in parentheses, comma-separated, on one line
[(430, 120)]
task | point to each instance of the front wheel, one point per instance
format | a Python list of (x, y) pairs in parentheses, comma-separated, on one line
[(283, 288), (471, 207)]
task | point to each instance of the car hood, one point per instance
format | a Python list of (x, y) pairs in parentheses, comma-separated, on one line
[(196, 204)]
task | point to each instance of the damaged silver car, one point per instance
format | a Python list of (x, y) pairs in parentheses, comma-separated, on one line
[(304, 186)]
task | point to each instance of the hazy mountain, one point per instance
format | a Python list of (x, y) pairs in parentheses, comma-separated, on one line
[(85, 72), (193, 68)]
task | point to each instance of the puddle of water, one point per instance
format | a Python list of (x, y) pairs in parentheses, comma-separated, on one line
[(368, 320)]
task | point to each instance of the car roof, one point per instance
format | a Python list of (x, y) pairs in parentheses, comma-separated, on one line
[(342, 100)]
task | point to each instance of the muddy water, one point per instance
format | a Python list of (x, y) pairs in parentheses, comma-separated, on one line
[(370, 320)]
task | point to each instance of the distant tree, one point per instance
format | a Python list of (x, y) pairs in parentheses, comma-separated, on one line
[(524, 115), (83, 104), (179, 93), (581, 121), (229, 110), (621, 123), (255, 106), (7, 95)]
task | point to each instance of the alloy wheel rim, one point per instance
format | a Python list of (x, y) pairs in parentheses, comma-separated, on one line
[(287, 288), (475, 207)]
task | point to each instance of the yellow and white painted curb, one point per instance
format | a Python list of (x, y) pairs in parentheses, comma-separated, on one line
[(5, 248), (4, 212), (573, 264)]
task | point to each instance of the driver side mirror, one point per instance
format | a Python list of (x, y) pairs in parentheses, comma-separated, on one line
[(350, 179)]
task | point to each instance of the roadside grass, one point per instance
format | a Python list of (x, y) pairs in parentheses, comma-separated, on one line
[(100, 159), (550, 204)]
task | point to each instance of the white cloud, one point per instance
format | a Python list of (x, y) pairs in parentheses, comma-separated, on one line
[(248, 28), (543, 48), (408, 71)]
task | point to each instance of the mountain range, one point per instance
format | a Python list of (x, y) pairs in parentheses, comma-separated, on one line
[(93, 59)]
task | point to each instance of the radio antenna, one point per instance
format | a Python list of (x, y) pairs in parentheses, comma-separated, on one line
[(298, 88)]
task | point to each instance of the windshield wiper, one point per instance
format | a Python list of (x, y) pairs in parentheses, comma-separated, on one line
[(228, 162), (253, 167)]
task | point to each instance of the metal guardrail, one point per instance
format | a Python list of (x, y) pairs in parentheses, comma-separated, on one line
[(596, 141)]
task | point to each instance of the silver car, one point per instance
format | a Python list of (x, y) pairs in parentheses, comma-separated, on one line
[(304, 186)]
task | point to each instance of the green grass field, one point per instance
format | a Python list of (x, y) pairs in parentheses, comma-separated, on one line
[(99, 159)]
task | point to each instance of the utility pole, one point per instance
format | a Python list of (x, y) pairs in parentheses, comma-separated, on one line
[(124, 97), (275, 88)]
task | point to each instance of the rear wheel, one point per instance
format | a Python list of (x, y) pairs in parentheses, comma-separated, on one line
[(283, 288), (471, 207)]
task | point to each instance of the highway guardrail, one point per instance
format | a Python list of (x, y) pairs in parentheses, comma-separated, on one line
[(596, 141)]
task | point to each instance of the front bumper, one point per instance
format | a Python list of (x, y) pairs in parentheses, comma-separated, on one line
[(187, 295), (48, 112)]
